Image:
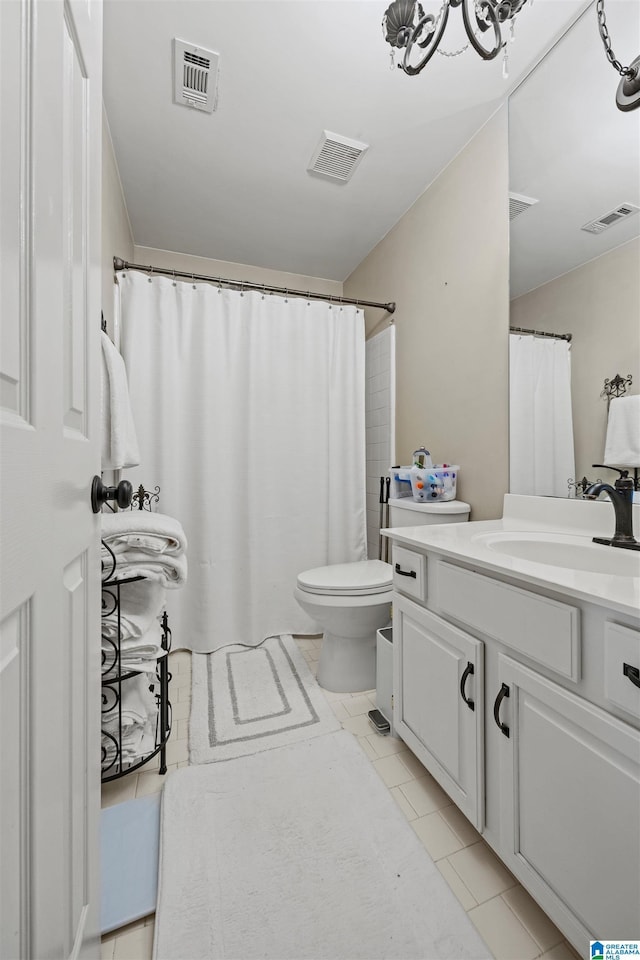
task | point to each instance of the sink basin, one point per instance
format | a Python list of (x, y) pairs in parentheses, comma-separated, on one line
[(560, 550)]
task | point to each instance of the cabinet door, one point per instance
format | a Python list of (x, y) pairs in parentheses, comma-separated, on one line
[(570, 814), (438, 702)]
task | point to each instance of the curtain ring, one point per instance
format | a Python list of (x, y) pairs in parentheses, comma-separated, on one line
[(308, 298), (263, 289), (242, 289), (174, 279), (150, 275), (286, 295), (193, 281)]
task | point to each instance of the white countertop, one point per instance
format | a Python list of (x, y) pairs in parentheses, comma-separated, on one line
[(536, 514)]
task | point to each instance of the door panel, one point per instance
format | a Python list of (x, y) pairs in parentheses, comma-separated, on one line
[(14, 788), (50, 151), (571, 796), (432, 659), (428, 708), (75, 185), (15, 222), (75, 603)]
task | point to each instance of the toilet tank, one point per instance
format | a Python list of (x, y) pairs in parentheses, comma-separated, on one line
[(407, 512)]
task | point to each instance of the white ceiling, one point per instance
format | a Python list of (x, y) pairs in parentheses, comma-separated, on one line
[(233, 185), (574, 151)]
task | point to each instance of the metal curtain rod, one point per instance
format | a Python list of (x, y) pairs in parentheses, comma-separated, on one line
[(119, 264), (542, 333)]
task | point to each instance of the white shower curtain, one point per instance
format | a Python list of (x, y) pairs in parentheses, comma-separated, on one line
[(250, 415), (541, 452)]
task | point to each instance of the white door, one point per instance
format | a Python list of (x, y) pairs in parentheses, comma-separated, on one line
[(570, 795), (439, 702), (50, 130)]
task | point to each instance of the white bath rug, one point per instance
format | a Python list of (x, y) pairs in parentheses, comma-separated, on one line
[(245, 700), (299, 853)]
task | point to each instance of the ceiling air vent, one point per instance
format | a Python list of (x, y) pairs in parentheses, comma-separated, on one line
[(518, 204), (614, 216), (336, 156), (195, 76)]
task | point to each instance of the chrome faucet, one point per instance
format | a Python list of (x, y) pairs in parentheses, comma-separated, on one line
[(621, 496)]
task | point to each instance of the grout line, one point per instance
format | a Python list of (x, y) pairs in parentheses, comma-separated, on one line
[(527, 928)]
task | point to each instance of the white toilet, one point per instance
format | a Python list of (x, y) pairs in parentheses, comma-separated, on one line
[(351, 601)]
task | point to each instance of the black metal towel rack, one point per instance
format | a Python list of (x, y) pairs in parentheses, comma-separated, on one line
[(114, 678)]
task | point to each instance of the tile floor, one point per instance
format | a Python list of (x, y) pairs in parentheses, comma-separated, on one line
[(511, 923)]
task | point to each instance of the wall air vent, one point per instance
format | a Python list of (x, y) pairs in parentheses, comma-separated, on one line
[(336, 156), (614, 216), (195, 76), (518, 204)]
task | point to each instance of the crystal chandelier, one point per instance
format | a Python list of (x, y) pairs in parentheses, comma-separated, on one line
[(407, 27)]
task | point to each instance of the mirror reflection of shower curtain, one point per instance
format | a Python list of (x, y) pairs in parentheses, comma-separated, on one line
[(541, 451), (250, 413)]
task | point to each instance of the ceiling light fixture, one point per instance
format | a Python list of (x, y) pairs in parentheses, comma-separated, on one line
[(628, 94), (407, 27)]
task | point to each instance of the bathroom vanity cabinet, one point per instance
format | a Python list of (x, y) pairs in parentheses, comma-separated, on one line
[(522, 703)]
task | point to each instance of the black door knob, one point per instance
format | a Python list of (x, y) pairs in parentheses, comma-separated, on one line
[(100, 494)]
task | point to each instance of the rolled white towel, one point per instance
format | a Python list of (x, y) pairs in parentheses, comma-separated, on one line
[(135, 744), (153, 533), (143, 664), (137, 653), (138, 704), (141, 602), (148, 645), (170, 571)]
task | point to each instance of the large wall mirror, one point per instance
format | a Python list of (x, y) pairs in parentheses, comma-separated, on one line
[(574, 160)]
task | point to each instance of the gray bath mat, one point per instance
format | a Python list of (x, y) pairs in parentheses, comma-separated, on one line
[(245, 700)]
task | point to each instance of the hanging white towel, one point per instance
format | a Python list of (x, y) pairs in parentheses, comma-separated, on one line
[(622, 446), (119, 441)]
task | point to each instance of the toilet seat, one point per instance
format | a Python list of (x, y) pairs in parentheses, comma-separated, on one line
[(362, 578)]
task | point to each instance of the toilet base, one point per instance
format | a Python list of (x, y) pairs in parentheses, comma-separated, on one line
[(347, 664)]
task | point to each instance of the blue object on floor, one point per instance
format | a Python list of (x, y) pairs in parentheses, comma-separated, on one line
[(130, 838)]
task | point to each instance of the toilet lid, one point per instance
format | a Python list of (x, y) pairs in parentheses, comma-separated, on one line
[(350, 579)]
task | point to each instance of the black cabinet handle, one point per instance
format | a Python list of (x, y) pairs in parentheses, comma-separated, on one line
[(468, 671), (504, 692), (633, 673), (405, 573)]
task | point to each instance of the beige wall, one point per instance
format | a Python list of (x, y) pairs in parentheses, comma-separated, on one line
[(117, 239), (149, 256), (446, 264), (599, 303)]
